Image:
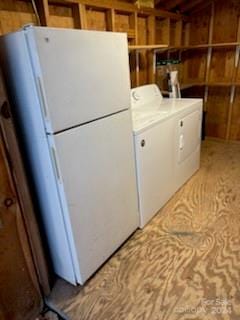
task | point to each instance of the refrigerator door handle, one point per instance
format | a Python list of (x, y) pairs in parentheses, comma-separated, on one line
[(42, 96), (54, 157)]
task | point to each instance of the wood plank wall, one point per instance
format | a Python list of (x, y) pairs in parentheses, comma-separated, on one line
[(95, 15), (216, 70), (213, 74)]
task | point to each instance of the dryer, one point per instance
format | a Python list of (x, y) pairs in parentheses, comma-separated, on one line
[(167, 136)]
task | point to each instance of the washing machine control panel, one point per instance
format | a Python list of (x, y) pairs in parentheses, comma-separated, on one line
[(145, 94)]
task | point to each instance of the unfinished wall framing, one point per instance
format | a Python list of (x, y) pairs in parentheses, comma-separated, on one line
[(213, 64), (207, 46), (139, 24)]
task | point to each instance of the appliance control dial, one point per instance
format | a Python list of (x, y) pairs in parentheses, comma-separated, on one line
[(135, 95)]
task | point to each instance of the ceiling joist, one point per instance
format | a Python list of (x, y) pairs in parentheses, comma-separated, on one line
[(201, 6), (186, 7), (168, 5), (180, 6)]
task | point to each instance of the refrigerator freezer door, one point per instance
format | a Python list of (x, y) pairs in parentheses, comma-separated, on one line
[(82, 75), (96, 165)]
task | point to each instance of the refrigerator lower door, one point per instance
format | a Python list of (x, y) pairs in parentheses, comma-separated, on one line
[(95, 165)]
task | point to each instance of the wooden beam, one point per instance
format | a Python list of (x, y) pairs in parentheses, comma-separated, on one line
[(197, 46), (172, 4), (151, 55), (189, 5), (189, 84), (83, 16), (133, 25), (211, 23), (178, 33), (134, 56), (209, 54), (122, 6), (233, 89), (186, 34), (201, 6), (110, 17), (163, 13), (43, 11), (76, 16), (147, 47), (209, 57)]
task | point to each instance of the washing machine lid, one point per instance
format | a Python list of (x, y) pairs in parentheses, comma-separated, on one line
[(151, 114)]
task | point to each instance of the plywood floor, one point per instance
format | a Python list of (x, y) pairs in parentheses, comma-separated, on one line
[(184, 265)]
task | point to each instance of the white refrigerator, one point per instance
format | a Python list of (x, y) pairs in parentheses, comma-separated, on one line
[(71, 95)]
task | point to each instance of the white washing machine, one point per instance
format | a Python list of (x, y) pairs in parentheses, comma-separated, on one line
[(167, 137)]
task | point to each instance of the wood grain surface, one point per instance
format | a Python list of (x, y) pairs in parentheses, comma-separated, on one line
[(185, 264), (20, 297)]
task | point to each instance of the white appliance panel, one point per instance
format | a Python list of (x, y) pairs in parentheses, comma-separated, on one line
[(96, 164), (187, 168), (53, 157), (155, 162), (147, 94), (171, 131), (189, 134), (27, 110), (82, 75), (187, 144)]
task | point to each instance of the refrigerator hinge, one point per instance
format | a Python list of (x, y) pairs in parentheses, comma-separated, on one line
[(27, 26)]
